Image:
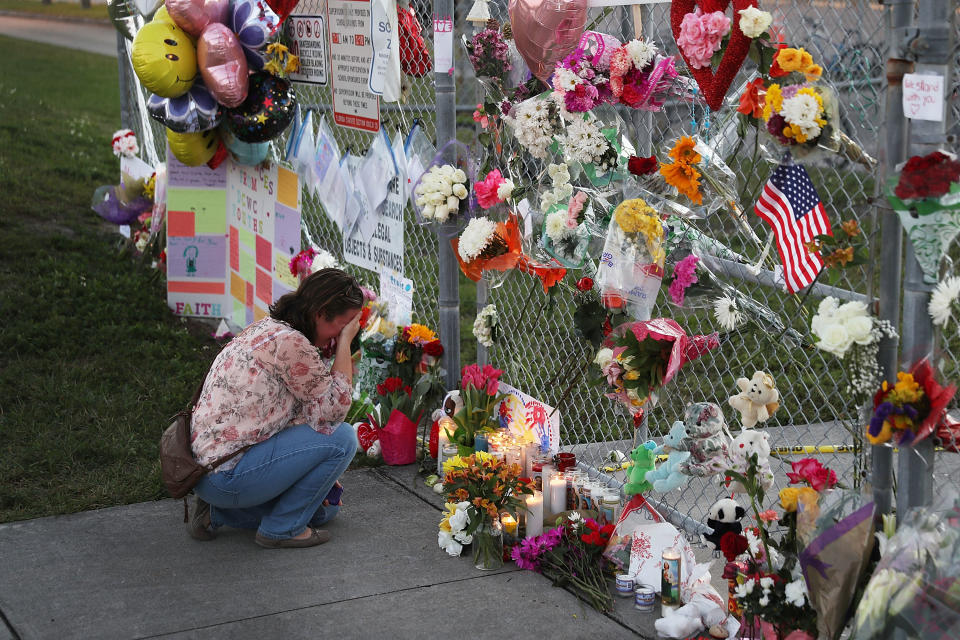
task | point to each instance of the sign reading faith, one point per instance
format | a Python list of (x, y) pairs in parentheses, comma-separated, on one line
[(263, 213), (351, 57), (196, 239), (923, 96), (308, 39), (520, 412)]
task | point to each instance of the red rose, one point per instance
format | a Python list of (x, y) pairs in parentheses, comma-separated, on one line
[(392, 384), (585, 283), (433, 348), (631, 96), (640, 166), (732, 545), (407, 390)]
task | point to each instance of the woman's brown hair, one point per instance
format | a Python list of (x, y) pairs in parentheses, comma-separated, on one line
[(328, 291)]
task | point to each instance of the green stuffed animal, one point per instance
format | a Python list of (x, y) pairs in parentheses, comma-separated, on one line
[(644, 460)]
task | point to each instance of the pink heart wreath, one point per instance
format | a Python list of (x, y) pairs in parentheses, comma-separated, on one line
[(715, 84)]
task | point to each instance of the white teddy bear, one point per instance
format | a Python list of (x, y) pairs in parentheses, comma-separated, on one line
[(745, 445), (758, 399)]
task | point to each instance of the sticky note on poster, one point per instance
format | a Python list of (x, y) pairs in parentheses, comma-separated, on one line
[(520, 412), (923, 96), (397, 292)]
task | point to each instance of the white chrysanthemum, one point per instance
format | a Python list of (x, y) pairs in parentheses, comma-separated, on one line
[(943, 298), (556, 226), (753, 21), (559, 174), (484, 324), (796, 592), (476, 237), (802, 110), (323, 260), (565, 80), (505, 190), (641, 52), (727, 314)]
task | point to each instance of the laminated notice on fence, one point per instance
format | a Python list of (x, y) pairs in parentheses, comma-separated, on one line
[(308, 39), (520, 412), (384, 247), (385, 68), (397, 292), (923, 96), (351, 55)]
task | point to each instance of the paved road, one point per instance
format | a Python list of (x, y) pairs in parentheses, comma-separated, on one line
[(94, 38)]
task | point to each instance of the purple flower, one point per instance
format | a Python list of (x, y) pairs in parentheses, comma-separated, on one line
[(775, 126)]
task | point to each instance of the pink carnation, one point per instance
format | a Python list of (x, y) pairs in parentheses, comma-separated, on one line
[(574, 208), (487, 189)]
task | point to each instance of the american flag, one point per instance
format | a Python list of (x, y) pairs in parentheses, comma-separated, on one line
[(790, 204)]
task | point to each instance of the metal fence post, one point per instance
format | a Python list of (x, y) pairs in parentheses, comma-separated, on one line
[(126, 83), (449, 284), (932, 46), (899, 18)]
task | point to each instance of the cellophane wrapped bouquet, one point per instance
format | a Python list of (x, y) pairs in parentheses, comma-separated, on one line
[(631, 265)]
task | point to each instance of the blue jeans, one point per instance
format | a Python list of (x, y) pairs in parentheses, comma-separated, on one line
[(279, 485)]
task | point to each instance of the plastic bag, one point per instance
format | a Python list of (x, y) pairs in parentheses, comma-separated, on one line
[(330, 183), (449, 170), (916, 585), (419, 152), (631, 265)]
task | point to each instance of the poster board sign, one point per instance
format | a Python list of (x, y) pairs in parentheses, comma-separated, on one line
[(384, 248), (196, 239), (443, 43), (263, 214), (519, 412), (308, 41), (351, 57)]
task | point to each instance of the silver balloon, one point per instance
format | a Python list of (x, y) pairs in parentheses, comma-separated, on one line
[(124, 17)]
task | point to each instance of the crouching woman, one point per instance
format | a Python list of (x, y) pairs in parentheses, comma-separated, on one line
[(271, 389)]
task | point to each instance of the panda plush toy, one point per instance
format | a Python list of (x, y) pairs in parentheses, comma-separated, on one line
[(725, 516)]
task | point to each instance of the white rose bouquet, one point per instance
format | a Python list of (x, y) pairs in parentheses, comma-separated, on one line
[(440, 191)]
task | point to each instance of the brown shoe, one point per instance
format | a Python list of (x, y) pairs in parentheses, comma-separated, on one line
[(199, 526), (317, 536)]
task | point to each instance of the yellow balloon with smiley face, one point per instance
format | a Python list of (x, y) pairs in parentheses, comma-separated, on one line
[(165, 59), (193, 149)]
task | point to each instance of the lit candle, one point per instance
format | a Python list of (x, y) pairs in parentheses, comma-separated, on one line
[(443, 439), (509, 524), (558, 493), (530, 452), (534, 514)]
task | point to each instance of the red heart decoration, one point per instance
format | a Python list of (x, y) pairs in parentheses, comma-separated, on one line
[(366, 435), (715, 84), (282, 8)]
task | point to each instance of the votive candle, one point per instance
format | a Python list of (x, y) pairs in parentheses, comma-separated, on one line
[(558, 493), (509, 524), (534, 514)]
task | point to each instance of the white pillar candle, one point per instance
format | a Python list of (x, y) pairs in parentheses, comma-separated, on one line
[(530, 452), (534, 514), (558, 493), (442, 440)]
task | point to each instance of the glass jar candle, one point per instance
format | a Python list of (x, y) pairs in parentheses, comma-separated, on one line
[(608, 506), (670, 580)]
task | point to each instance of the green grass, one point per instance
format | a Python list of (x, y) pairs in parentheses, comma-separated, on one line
[(60, 9), (92, 363)]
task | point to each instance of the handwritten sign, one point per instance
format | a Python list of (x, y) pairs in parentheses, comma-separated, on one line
[(520, 412), (923, 97), (443, 43)]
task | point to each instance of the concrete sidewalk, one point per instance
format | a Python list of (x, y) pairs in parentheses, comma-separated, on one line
[(132, 572)]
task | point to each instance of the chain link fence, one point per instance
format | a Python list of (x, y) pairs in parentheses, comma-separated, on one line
[(541, 353)]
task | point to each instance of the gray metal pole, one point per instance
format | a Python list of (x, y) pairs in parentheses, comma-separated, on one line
[(932, 47), (123, 74), (899, 19), (449, 271)]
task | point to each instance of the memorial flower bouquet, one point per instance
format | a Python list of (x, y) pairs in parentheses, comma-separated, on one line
[(582, 78), (695, 166), (489, 54), (311, 260), (571, 555), (911, 409), (588, 142), (638, 358), (453, 535), (642, 78), (535, 122), (479, 390), (631, 264), (486, 245), (439, 192), (417, 352), (488, 486), (765, 559), (566, 235), (486, 326)]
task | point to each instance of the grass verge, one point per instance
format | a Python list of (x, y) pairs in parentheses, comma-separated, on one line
[(92, 363), (56, 9)]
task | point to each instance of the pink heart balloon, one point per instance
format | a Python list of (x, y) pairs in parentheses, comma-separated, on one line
[(223, 65), (546, 31), (193, 16)]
